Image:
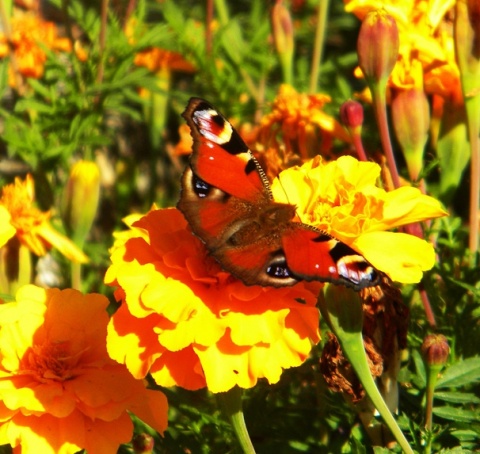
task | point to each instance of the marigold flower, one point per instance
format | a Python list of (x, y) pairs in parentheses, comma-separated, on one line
[(31, 225), (29, 35), (60, 392), (299, 118), (341, 198), (426, 55), (190, 324), (156, 59)]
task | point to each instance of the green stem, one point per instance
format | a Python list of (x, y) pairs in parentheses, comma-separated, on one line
[(231, 402), (472, 106), (320, 33), (222, 12), (342, 309), (76, 275)]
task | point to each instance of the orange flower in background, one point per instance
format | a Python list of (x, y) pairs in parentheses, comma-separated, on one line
[(32, 226), (190, 324), (156, 59), (28, 34), (341, 198), (305, 129), (59, 390)]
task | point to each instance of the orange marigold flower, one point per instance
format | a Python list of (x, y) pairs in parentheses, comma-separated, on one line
[(29, 34), (31, 225), (156, 59), (341, 198), (59, 390), (299, 118), (190, 324)]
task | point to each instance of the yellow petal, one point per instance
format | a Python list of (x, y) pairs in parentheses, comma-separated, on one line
[(7, 230), (401, 256)]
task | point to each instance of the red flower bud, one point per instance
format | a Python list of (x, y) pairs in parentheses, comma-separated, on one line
[(351, 114), (143, 444)]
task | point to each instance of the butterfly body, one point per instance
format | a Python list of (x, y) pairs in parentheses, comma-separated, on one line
[(227, 201)]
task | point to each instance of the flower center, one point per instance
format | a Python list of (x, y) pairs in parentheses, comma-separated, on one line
[(50, 361)]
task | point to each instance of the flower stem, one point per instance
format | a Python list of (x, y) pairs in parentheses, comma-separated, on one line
[(322, 14), (380, 107), (342, 309), (231, 402)]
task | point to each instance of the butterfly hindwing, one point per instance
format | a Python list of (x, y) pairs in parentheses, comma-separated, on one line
[(226, 199)]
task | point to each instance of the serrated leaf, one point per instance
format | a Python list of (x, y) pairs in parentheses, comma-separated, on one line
[(460, 374), (457, 397), (456, 414)]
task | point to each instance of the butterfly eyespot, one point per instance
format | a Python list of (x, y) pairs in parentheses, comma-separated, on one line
[(278, 268), (201, 188)]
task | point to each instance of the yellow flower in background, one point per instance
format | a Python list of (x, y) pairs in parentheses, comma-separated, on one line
[(7, 230), (189, 323), (32, 226), (59, 390), (341, 198), (426, 58)]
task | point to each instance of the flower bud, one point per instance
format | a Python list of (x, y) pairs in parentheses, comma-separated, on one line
[(411, 121), (351, 114), (143, 444), (378, 45), (435, 350), (283, 36), (80, 201)]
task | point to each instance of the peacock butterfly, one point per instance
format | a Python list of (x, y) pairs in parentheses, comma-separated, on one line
[(227, 201)]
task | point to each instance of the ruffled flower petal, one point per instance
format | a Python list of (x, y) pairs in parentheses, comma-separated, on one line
[(341, 198), (188, 323), (59, 390)]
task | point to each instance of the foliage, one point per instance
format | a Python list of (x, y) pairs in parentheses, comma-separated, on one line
[(106, 107)]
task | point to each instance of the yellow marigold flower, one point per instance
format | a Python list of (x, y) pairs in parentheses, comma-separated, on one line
[(426, 56), (299, 118), (31, 225), (29, 34), (59, 390), (341, 198), (190, 324)]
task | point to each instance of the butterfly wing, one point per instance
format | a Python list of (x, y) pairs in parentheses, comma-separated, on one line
[(227, 201), (315, 255)]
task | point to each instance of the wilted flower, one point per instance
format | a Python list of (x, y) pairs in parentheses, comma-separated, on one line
[(190, 324), (60, 392)]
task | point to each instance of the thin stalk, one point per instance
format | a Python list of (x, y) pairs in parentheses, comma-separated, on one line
[(231, 403), (208, 28), (342, 310), (380, 108), (101, 41), (473, 110), (320, 33)]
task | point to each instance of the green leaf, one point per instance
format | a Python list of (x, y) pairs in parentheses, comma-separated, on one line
[(456, 414), (457, 397), (460, 374)]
